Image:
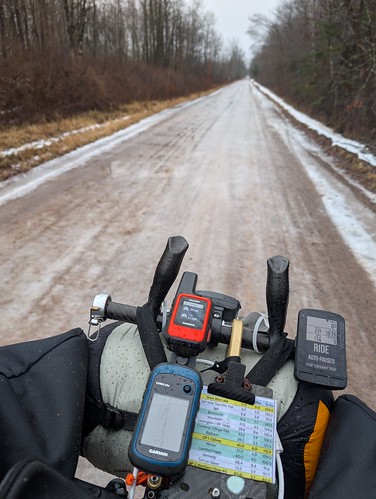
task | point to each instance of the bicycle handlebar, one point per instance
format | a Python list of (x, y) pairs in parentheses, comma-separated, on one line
[(128, 313), (121, 312), (277, 293)]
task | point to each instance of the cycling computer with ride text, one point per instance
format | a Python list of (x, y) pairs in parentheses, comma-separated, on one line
[(320, 356), (163, 433)]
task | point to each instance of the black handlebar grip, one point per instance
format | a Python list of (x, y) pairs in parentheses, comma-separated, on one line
[(166, 272), (120, 312), (277, 294)]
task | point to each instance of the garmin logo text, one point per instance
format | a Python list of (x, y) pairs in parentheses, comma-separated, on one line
[(159, 452)]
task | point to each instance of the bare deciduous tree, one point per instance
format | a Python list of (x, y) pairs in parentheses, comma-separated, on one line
[(322, 55), (88, 53)]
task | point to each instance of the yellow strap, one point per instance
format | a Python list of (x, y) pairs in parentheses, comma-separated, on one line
[(312, 448)]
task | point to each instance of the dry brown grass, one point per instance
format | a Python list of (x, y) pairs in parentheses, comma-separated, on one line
[(111, 122), (362, 172)]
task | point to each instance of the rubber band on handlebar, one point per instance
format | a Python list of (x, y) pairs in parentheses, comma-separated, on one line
[(264, 318)]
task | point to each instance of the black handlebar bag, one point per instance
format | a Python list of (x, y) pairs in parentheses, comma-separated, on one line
[(347, 465), (42, 393)]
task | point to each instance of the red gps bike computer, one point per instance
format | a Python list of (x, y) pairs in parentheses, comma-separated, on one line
[(188, 330)]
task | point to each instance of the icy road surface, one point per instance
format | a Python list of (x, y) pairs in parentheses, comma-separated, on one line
[(231, 174)]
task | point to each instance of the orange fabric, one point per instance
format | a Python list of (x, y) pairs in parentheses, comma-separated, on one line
[(312, 448)]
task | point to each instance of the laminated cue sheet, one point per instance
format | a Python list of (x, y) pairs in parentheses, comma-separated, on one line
[(235, 438)]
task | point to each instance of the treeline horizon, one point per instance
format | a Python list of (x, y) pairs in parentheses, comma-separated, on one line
[(62, 57), (321, 56)]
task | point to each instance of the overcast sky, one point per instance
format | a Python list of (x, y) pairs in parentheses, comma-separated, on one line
[(232, 17)]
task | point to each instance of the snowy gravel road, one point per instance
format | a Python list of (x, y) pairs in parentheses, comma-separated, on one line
[(231, 174)]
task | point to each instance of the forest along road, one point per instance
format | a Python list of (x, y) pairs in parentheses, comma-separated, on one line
[(228, 172)]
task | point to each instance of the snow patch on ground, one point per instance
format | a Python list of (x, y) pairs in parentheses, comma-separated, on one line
[(350, 226), (360, 150), (20, 185), (355, 223), (39, 144)]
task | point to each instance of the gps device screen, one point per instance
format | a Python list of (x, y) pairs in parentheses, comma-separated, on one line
[(320, 356), (191, 313), (165, 424), (164, 428), (322, 330)]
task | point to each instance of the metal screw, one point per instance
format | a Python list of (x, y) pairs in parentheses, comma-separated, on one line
[(246, 384), (181, 360), (215, 493)]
